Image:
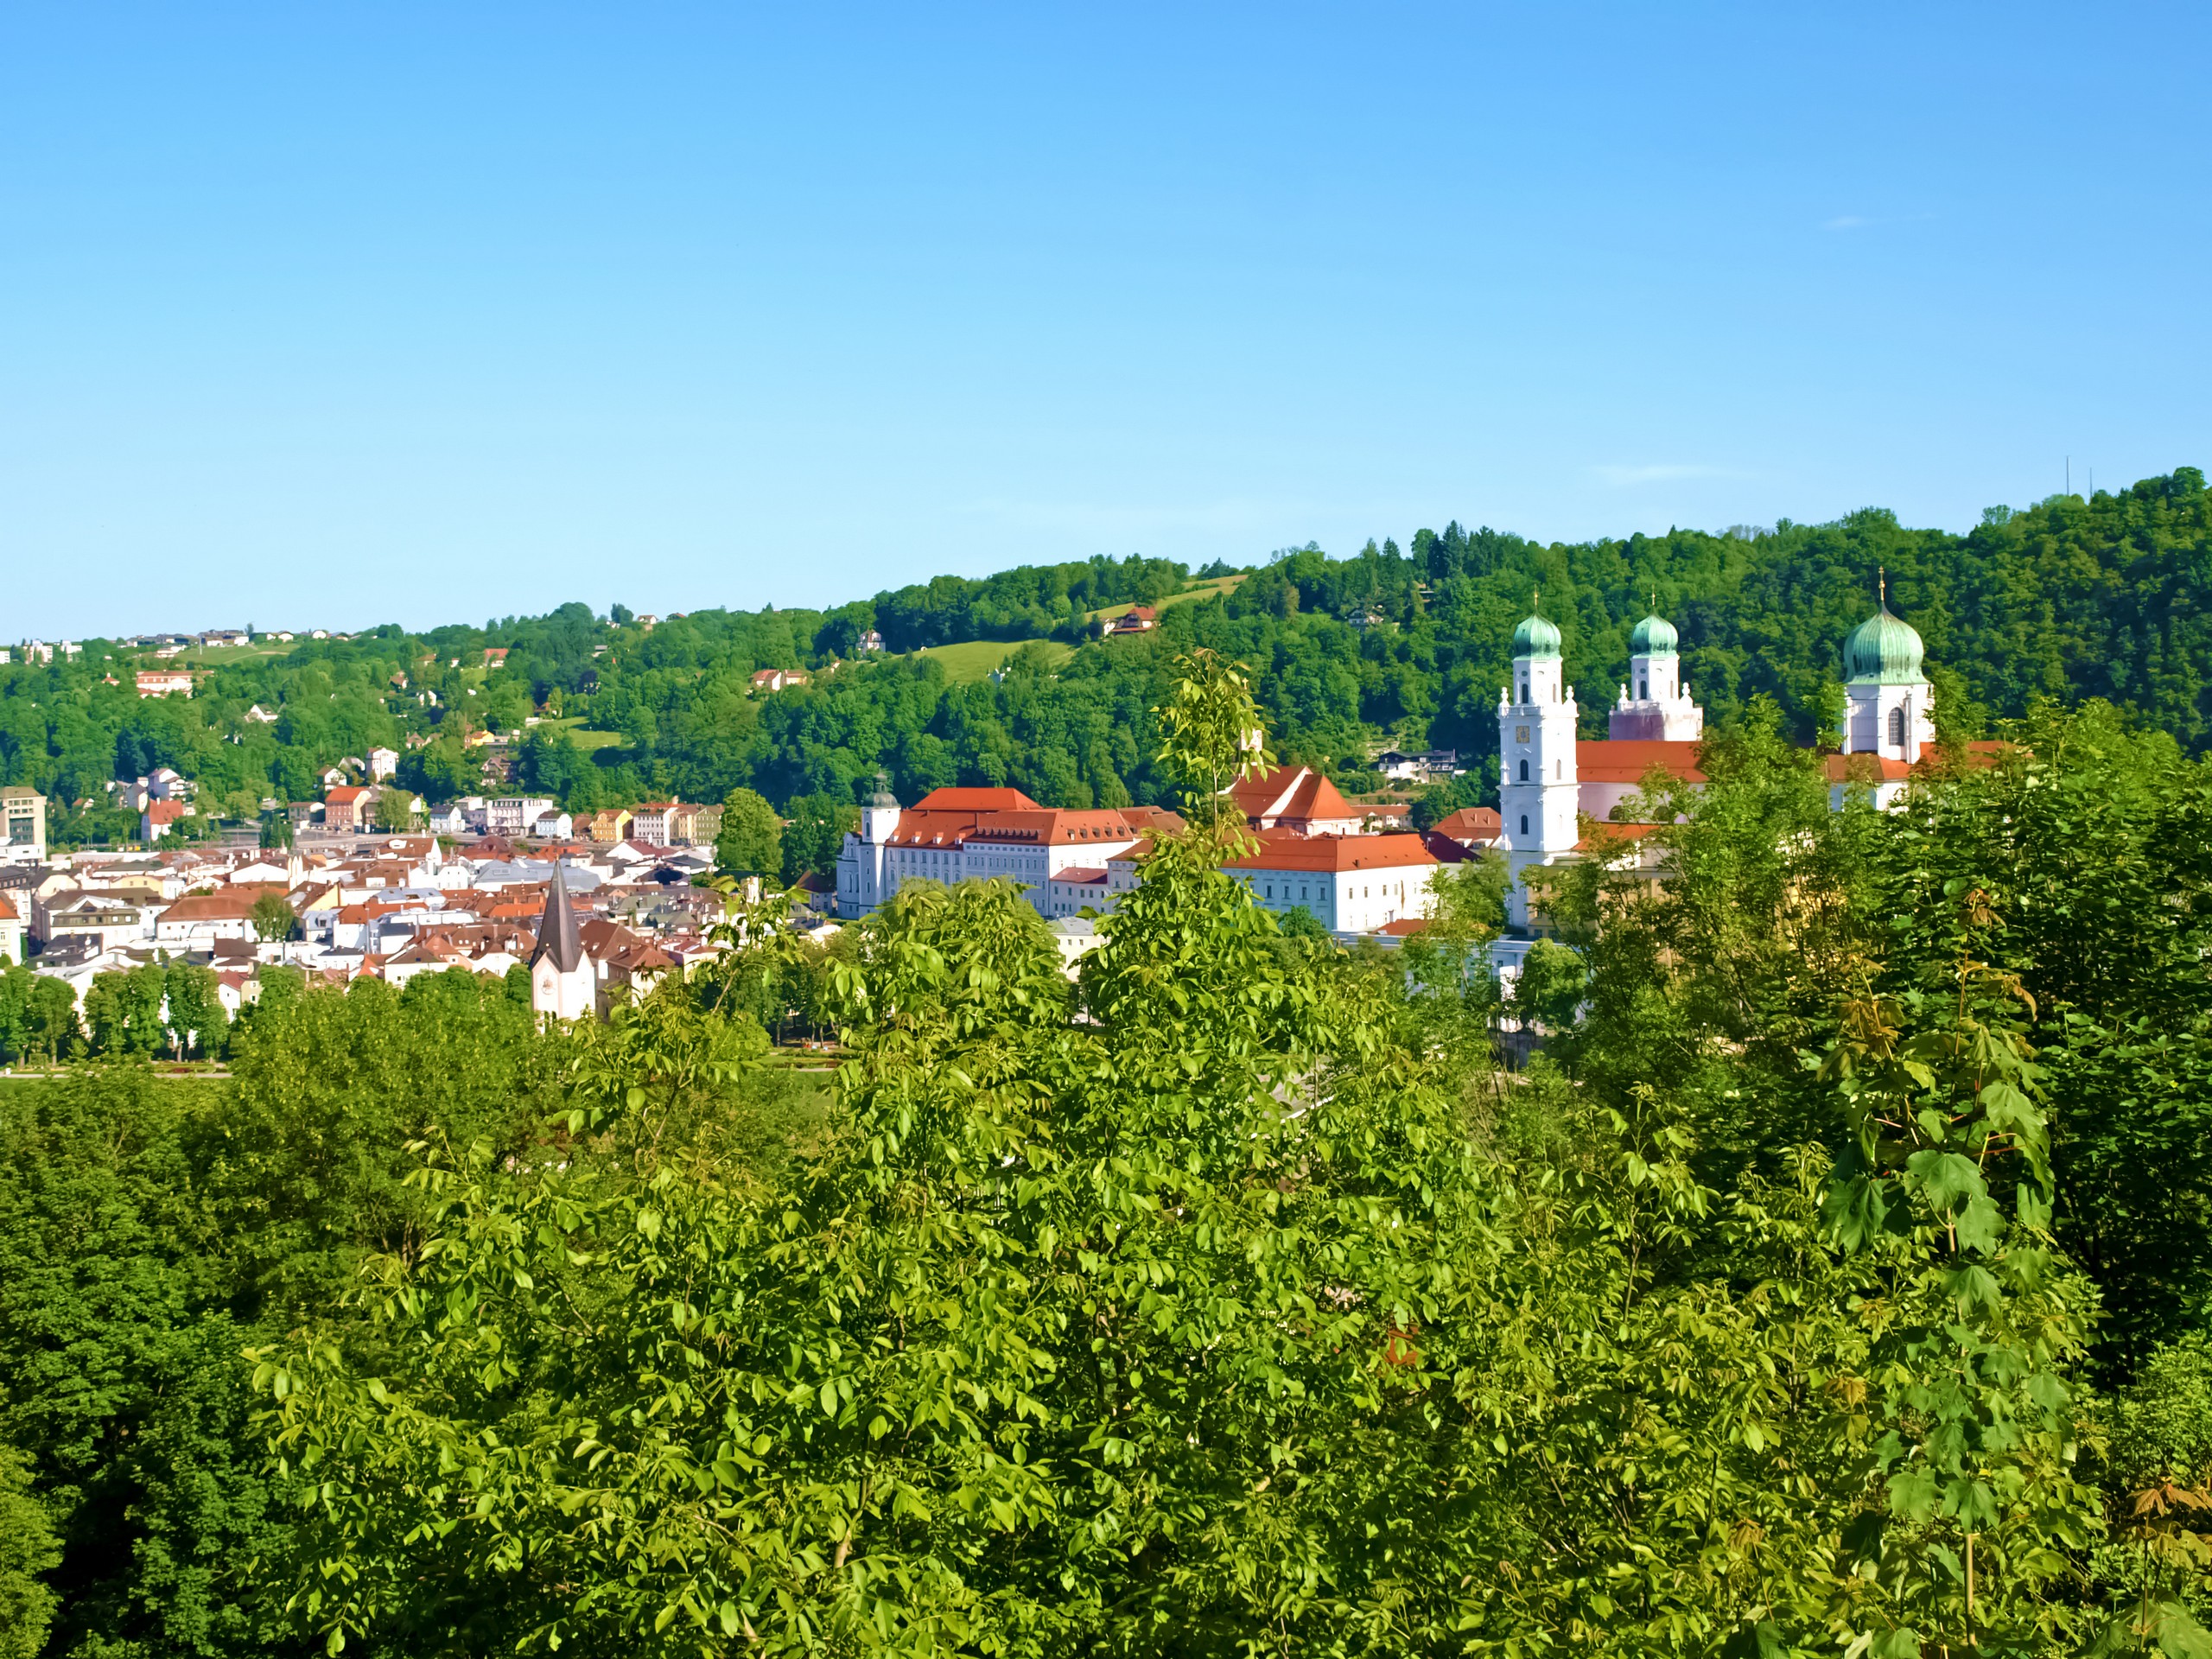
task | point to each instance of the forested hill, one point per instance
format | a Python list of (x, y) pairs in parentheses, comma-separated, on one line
[(2071, 599)]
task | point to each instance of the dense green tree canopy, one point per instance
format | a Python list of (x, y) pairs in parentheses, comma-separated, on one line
[(2066, 600)]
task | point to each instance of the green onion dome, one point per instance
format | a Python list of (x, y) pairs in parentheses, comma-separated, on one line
[(1883, 651), (1535, 637), (1653, 636)]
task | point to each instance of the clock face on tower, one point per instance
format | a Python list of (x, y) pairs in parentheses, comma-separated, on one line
[(1520, 733)]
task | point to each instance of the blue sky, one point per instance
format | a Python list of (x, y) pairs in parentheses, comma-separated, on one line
[(348, 314)]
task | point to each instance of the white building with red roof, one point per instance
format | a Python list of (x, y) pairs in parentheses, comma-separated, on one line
[(1350, 884), (959, 834)]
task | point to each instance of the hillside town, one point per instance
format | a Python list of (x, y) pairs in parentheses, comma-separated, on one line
[(372, 882)]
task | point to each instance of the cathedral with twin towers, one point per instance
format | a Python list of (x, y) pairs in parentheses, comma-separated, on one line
[(1549, 778)]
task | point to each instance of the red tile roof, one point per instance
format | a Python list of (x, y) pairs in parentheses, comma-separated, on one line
[(1630, 760), (1472, 824), (1335, 853), (1047, 827), (1297, 793), (975, 800), (1865, 768)]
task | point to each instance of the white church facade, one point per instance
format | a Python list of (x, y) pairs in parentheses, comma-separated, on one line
[(1548, 778)]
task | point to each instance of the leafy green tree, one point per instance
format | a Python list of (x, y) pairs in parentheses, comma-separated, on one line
[(124, 1388), (750, 842), (50, 1022), (395, 811), (125, 1011), (816, 832), (273, 918), (28, 1549), (308, 1168), (195, 1011)]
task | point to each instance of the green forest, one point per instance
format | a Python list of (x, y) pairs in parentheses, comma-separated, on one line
[(1835, 1279), (2108, 598)]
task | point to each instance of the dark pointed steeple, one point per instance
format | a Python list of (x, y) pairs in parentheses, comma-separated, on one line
[(558, 936)]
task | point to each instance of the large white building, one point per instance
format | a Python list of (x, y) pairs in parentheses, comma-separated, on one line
[(1548, 778), (958, 835), (1350, 884)]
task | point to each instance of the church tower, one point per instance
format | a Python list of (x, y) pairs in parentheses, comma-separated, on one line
[(864, 878), (1654, 703), (561, 978), (1889, 707), (1538, 792)]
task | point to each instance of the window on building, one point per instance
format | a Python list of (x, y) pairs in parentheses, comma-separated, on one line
[(1643, 690), (1897, 727), (1559, 769), (1524, 824), (1524, 771), (1524, 690)]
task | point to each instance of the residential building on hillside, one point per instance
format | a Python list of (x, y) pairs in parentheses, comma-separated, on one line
[(1401, 768), (610, 825), (24, 812), (157, 818), (164, 681), (1138, 618), (348, 807), (383, 763), (695, 826), (654, 822), (515, 815), (776, 679)]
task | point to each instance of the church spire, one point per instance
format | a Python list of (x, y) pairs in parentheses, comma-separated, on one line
[(558, 937)]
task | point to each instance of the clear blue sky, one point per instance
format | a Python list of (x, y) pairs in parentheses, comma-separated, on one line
[(344, 313)]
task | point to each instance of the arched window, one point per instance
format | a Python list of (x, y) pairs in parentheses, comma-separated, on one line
[(1524, 824), (1897, 727), (1524, 771), (1643, 690), (1559, 769), (1524, 690)]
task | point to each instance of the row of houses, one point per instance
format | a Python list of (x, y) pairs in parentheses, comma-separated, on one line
[(385, 907)]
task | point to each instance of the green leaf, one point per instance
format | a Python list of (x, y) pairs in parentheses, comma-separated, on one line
[(1946, 1177), (1912, 1494), (1760, 1641), (1980, 1225)]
